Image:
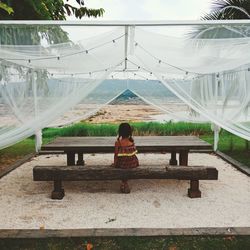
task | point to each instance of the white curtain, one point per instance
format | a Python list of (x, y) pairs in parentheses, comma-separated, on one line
[(191, 77)]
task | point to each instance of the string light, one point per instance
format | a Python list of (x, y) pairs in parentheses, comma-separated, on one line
[(160, 61), (66, 55), (84, 73)]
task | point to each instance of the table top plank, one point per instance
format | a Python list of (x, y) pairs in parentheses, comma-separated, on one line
[(143, 144)]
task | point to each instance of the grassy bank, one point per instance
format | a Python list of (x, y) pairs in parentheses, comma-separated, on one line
[(140, 128), (230, 144), (11, 154)]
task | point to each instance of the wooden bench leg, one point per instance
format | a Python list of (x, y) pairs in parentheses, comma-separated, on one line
[(58, 192), (193, 191), (183, 158), (173, 160), (70, 158), (80, 161)]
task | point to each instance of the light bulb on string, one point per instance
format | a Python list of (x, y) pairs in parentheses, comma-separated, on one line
[(115, 43), (159, 63)]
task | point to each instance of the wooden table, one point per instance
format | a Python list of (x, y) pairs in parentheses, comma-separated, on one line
[(144, 144)]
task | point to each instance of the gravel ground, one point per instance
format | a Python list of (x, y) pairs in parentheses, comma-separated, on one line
[(25, 204)]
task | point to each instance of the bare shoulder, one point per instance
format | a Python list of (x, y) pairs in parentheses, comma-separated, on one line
[(126, 142)]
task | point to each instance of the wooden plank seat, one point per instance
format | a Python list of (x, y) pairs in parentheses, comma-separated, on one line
[(57, 174)]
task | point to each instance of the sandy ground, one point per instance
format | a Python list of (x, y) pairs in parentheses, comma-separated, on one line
[(121, 113), (25, 204), (108, 114)]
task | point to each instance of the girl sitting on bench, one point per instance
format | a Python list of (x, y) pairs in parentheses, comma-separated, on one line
[(125, 153)]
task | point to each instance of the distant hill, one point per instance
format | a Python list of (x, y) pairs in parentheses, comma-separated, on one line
[(128, 98), (151, 90)]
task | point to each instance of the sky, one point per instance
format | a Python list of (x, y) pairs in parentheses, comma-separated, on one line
[(149, 9), (144, 10)]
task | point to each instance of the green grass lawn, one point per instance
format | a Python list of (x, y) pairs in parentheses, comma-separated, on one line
[(230, 144), (139, 128), (132, 243)]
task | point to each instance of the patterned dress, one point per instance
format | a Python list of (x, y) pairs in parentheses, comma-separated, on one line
[(126, 157)]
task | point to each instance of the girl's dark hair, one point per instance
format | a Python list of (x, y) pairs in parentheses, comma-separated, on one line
[(125, 131)]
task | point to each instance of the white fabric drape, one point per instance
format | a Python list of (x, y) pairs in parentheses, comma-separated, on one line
[(189, 78)]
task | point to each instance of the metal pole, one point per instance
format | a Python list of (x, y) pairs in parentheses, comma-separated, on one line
[(126, 47), (127, 23), (38, 133), (215, 126)]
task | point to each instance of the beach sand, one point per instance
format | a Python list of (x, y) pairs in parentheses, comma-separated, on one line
[(94, 113), (108, 114)]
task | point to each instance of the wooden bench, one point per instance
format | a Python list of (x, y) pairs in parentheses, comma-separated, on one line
[(57, 174)]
